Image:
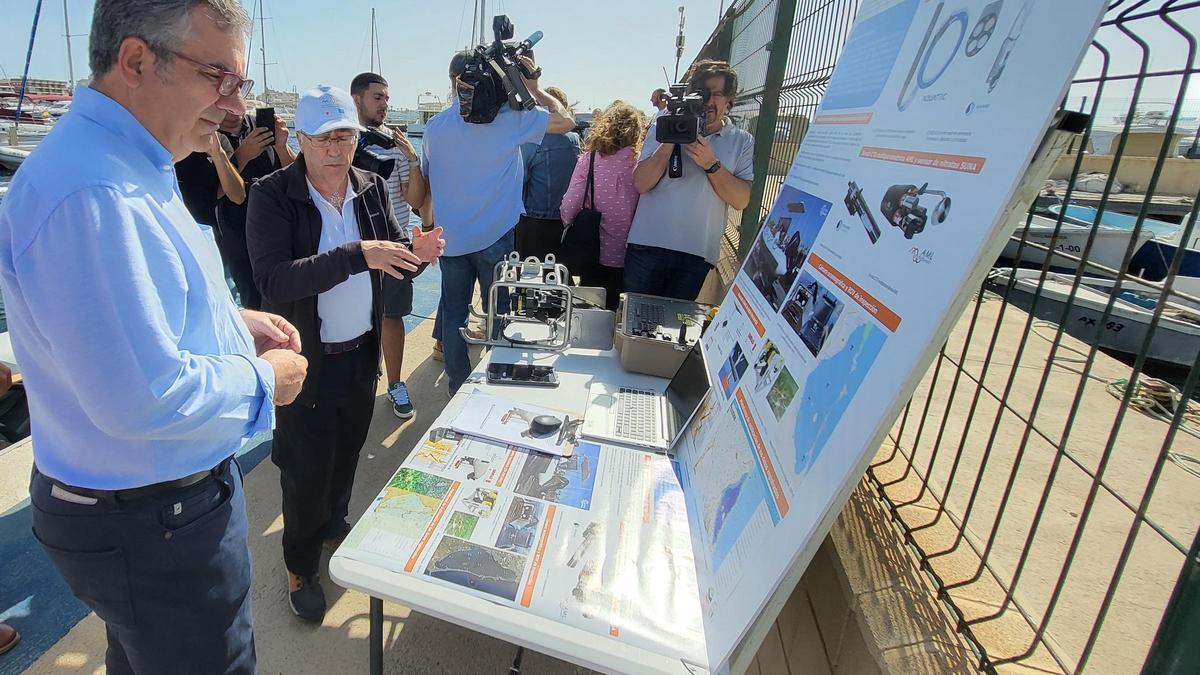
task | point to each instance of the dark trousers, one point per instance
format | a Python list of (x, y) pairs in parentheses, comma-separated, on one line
[(611, 279), (651, 270), (316, 450), (168, 574), (538, 236)]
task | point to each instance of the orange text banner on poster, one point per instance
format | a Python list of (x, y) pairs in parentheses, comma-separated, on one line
[(877, 309), (844, 118), (535, 566), (760, 449), (932, 160), (741, 298), (437, 518)]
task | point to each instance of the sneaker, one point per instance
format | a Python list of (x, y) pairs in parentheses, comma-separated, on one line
[(437, 351), (475, 333), (337, 535), (306, 597), (401, 404)]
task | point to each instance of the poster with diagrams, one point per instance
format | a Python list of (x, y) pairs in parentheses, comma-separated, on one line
[(929, 120), (598, 540), (896, 193)]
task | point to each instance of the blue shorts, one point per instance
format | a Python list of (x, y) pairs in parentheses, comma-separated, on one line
[(397, 297)]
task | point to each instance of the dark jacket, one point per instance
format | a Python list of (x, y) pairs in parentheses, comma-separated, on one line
[(283, 232)]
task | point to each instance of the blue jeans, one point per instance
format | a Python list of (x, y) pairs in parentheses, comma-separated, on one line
[(651, 270), (169, 574), (459, 276)]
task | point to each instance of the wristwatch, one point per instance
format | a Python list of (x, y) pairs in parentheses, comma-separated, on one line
[(714, 168)]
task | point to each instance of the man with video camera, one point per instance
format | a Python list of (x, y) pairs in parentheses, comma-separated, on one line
[(388, 152), (676, 233), (471, 158)]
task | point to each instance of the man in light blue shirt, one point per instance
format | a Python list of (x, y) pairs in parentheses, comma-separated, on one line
[(143, 379), (476, 178)]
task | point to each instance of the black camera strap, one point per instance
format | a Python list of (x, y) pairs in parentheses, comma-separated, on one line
[(590, 194), (675, 168)]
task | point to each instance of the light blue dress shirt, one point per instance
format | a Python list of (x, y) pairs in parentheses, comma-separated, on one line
[(345, 309), (137, 365), (476, 174)]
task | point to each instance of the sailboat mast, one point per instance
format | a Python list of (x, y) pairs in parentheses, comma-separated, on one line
[(372, 68), (482, 14), (70, 61), (262, 41)]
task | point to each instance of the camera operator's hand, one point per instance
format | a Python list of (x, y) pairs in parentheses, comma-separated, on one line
[(252, 146), (428, 244), (405, 145), (701, 153), (390, 257), (528, 66)]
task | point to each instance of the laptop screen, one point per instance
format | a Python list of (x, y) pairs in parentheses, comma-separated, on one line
[(688, 388)]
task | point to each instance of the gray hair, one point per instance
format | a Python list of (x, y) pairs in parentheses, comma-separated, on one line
[(161, 23)]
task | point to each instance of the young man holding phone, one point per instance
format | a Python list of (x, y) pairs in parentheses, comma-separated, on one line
[(406, 186)]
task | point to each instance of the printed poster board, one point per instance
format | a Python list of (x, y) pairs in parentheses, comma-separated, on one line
[(878, 234)]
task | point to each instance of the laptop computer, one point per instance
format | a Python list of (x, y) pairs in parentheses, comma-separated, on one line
[(645, 418)]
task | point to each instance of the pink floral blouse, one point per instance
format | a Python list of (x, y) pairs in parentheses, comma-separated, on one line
[(616, 199)]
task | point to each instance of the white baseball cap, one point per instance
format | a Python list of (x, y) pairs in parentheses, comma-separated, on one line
[(326, 108)]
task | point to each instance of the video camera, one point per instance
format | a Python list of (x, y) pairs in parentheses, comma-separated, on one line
[(368, 160), (681, 123), (493, 76), (684, 118)]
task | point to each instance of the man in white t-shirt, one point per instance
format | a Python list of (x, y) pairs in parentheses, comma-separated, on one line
[(405, 185), (675, 238)]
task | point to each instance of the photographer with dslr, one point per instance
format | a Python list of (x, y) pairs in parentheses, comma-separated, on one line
[(676, 233), (388, 152), (471, 158)]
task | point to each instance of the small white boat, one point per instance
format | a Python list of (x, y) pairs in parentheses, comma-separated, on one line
[(11, 158), (1108, 248), (1176, 339), (428, 105)]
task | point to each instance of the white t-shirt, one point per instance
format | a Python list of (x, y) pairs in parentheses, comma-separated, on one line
[(345, 309), (685, 214)]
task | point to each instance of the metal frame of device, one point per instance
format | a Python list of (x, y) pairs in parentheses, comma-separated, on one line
[(546, 282)]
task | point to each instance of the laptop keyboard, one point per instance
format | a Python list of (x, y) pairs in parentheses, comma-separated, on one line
[(637, 415)]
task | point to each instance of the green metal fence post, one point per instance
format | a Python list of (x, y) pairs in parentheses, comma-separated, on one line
[(764, 128), (1176, 650)]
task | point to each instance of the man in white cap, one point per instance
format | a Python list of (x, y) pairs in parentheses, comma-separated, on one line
[(321, 234)]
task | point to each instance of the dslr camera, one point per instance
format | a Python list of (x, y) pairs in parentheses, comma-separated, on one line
[(368, 160), (684, 117), (493, 76)]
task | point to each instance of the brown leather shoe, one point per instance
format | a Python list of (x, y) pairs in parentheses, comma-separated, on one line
[(9, 637)]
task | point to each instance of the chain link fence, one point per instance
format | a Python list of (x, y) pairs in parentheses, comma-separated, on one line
[(1046, 474)]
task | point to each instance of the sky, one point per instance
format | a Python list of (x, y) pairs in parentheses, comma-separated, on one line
[(595, 51)]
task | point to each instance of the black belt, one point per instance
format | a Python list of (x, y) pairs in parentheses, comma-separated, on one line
[(347, 346), (144, 491)]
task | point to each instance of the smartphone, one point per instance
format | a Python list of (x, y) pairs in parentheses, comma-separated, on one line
[(265, 117), (522, 374)]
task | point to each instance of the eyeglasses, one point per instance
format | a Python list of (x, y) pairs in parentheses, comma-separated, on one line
[(227, 81), (325, 140)]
